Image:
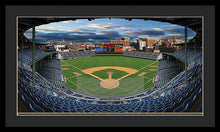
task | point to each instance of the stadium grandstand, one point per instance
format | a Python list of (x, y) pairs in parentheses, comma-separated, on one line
[(177, 84)]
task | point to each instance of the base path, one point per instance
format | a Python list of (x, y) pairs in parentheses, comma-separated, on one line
[(141, 74), (152, 69), (109, 83), (76, 73)]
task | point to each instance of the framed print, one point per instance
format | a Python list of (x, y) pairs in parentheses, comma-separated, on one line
[(132, 64)]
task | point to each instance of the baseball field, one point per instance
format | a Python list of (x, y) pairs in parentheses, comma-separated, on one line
[(109, 76)]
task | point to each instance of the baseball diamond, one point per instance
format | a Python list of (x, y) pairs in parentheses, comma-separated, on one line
[(109, 76)]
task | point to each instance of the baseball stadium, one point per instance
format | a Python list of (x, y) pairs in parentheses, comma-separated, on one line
[(116, 77)]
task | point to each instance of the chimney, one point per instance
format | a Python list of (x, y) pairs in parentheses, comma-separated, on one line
[(174, 39)]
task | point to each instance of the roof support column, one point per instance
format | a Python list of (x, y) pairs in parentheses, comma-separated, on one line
[(185, 55), (195, 56), (33, 55), (22, 56)]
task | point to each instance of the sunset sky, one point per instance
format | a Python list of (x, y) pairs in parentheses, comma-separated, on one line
[(103, 30)]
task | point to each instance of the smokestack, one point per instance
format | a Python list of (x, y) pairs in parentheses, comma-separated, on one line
[(174, 39)]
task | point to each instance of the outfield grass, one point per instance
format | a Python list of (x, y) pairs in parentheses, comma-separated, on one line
[(89, 85)]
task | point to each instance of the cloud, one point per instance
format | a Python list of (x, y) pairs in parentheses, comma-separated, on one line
[(151, 33), (175, 35), (82, 33), (98, 26), (105, 36), (109, 31), (112, 34), (65, 22), (42, 30), (54, 27), (123, 28), (170, 36), (78, 21), (169, 25), (80, 30), (158, 29), (110, 23), (190, 33), (128, 32), (47, 28), (108, 26)]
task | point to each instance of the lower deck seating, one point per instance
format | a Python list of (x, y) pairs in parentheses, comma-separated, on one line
[(27, 55), (76, 54), (167, 69), (38, 100), (142, 54), (174, 96)]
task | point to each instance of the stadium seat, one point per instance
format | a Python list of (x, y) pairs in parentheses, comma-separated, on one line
[(47, 94)]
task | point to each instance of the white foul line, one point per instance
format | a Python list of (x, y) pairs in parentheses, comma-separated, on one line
[(142, 85), (72, 65), (147, 65), (77, 85)]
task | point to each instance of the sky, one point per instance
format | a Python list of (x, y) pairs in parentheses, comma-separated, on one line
[(104, 30)]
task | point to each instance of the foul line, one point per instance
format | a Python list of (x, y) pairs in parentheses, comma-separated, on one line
[(72, 77), (72, 66), (130, 81), (141, 86), (96, 76), (123, 89), (97, 89), (124, 76), (145, 77), (77, 86), (147, 65)]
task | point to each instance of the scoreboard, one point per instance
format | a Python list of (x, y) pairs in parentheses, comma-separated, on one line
[(109, 48)]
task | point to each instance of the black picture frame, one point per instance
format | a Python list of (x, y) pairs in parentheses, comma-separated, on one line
[(12, 120)]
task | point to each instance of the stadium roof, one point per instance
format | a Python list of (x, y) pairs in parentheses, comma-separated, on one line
[(194, 23)]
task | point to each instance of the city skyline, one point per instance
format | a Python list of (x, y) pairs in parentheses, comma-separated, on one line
[(104, 30)]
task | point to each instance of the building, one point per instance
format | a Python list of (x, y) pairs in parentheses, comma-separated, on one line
[(142, 43), (61, 48), (125, 41), (174, 39), (159, 42), (178, 41), (166, 42), (49, 48), (151, 42), (177, 44), (146, 43)]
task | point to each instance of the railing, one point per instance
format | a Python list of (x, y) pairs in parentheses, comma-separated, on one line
[(40, 58)]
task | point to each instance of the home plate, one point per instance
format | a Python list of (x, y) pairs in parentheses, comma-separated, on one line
[(109, 83)]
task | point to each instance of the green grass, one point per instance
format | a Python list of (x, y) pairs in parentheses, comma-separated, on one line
[(90, 85)]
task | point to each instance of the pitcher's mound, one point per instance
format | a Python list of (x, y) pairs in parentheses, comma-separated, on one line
[(109, 83)]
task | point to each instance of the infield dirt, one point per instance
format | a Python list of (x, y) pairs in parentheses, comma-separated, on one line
[(109, 83)]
